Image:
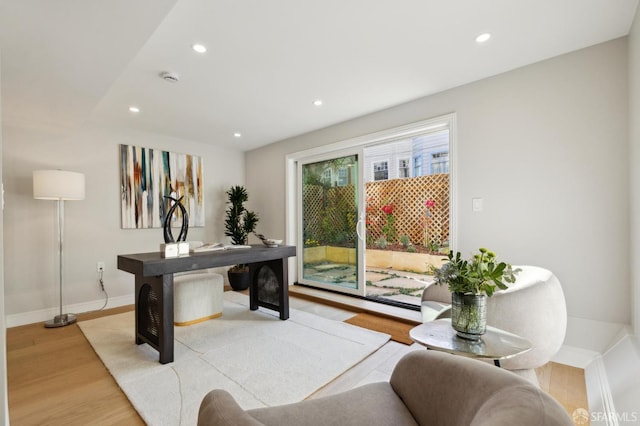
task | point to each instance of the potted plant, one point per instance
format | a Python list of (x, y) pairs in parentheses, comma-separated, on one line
[(470, 283), (239, 223)]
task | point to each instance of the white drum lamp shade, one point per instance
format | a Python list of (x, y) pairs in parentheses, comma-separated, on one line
[(58, 185)]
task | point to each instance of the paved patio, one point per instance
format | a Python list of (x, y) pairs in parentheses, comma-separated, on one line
[(400, 286)]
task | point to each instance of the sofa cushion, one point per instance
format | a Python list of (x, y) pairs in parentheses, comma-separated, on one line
[(453, 390), (533, 407), (368, 405), (426, 388), (219, 408)]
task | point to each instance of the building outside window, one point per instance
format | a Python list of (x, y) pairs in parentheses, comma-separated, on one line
[(403, 168), (343, 179), (381, 170), (439, 162), (326, 176), (417, 165)]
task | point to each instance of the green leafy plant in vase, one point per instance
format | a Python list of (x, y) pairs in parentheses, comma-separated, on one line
[(470, 283), (239, 223)]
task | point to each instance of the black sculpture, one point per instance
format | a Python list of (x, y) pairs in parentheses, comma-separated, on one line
[(168, 235)]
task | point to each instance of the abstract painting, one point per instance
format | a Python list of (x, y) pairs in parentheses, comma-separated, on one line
[(148, 175)]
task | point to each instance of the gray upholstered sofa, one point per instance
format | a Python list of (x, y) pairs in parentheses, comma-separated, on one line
[(426, 388)]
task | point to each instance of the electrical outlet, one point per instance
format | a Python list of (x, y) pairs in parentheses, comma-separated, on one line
[(476, 204), (100, 267)]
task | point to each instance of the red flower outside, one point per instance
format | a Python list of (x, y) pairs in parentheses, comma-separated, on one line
[(388, 209)]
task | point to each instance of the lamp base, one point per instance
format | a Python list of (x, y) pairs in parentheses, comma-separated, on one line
[(60, 321)]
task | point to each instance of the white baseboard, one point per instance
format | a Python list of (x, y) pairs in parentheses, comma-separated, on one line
[(593, 335), (42, 315), (609, 355), (613, 383), (599, 395), (601, 407), (575, 357)]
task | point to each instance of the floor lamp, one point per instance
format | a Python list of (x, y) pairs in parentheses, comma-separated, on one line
[(59, 185)]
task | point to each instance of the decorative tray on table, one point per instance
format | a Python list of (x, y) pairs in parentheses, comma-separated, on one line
[(269, 242)]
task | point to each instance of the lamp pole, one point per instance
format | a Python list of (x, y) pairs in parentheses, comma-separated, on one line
[(59, 185), (62, 319)]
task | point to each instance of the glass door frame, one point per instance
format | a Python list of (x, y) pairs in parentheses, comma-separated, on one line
[(360, 227), (291, 183)]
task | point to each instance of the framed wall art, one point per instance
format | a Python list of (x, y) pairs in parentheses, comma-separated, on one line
[(148, 175)]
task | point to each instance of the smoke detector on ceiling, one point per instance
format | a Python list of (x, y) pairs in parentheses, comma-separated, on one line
[(171, 77)]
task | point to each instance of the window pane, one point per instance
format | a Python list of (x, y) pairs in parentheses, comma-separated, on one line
[(417, 166), (440, 163), (342, 176), (403, 168), (381, 170), (326, 176)]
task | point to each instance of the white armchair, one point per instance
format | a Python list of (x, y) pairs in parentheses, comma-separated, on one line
[(533, 307)]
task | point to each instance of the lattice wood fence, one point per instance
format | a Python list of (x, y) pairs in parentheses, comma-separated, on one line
[(330, 217), (423, 225), (329, 214)]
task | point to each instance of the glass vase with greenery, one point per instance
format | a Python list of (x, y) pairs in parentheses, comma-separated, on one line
[(470, 282)]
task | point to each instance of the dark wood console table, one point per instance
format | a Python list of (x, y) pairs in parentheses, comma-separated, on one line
[(268, 268)]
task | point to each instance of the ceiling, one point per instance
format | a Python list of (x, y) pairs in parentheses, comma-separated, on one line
[(66, 63)]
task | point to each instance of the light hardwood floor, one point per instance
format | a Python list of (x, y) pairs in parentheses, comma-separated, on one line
[(55, 377)]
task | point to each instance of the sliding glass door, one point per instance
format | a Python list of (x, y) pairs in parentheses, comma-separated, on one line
[(407, 177), (331, 228)]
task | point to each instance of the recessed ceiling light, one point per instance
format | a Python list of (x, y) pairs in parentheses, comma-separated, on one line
[(134, 109), (483, 37), (237, 135), (200, 48), (317, 102)]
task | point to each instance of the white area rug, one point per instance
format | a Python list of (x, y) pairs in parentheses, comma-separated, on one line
[(259, 359)]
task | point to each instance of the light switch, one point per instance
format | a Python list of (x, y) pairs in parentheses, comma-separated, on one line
[(476, 204)]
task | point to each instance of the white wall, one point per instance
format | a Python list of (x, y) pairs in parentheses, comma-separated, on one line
[(634, 161), (617, 373), (92, 226), (4, 407), (545, 146)]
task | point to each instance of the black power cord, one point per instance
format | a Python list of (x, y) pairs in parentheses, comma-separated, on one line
[(106, 295)]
